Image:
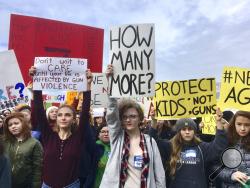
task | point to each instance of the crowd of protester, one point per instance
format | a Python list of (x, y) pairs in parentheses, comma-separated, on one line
[(67, 147)]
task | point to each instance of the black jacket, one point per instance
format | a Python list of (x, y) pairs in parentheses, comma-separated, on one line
[(190, 171)]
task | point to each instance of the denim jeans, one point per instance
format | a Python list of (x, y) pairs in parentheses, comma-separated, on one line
[(75, 184)]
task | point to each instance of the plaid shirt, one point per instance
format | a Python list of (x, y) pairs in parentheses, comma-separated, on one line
[(125, 156)]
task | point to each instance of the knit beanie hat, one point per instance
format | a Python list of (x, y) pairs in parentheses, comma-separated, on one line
[(49, 109), (227, 115), (185, 122)]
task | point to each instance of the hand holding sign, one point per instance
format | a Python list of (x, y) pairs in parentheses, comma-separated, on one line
[(219, 123), (32, 71), (109, 71), (89, 79)]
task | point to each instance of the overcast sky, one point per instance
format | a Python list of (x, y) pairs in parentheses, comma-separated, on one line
[(194, 38)]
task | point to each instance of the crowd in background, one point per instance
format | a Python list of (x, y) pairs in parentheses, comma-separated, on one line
[(64, 147)]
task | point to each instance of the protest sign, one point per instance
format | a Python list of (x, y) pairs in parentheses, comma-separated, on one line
[(60, 74), (185, 98), (235, 89), (98, 112), (149, 106), (217, 90), (209, 125), (99, 91), (32, 37), (80, 100), (132, 54), (54, 97), (70, 97), (146, 104), (12, 88)]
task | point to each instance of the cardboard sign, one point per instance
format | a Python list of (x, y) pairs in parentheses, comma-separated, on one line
[(12, 88), (70, 96), (185, 99), (132, 54), (209, 125), (99, 90), (235, 88), (60, 74), (32, 37)]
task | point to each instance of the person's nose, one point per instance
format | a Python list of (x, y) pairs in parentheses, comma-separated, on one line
[(243, 127)]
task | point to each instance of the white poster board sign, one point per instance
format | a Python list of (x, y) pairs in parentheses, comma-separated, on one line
[(55, 73), (99, 90), (132, 53), (12, 88), (54, 96)]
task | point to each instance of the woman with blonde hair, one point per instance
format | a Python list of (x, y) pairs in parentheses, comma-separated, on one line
[(62, 148), (185, 157)]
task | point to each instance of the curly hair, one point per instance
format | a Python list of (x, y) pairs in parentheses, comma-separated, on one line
[(26, 131), (125, 104)]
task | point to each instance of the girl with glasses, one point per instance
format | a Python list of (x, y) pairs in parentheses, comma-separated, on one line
[(134, 161)]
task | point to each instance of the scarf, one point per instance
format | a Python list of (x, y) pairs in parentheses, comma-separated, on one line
[(124, 162)]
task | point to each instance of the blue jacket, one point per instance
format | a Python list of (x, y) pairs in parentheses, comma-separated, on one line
[(5, 174)]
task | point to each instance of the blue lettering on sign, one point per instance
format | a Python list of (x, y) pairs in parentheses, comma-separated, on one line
[(1, 95)]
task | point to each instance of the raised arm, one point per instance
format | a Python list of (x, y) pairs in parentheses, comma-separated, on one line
[(42, 123), (113, 119), (84, 125), (163, 145), (213, 150), (153, 129)]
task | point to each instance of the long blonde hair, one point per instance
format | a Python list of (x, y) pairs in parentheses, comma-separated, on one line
[(177, 143)]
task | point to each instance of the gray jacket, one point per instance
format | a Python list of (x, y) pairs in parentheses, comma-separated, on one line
[(225, 175), (111, 177)]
